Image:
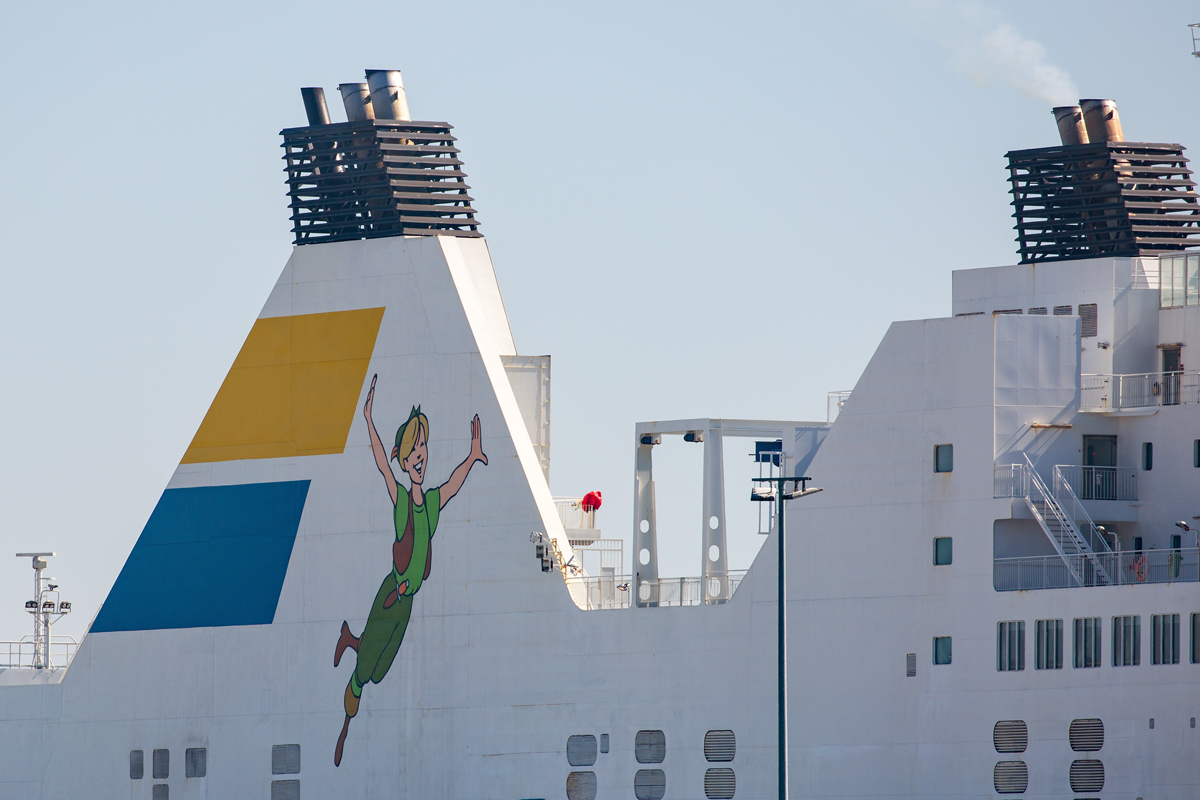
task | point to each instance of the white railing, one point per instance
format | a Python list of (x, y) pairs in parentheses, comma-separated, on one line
[(1120, 568), (1142, 390), (572, 515), (1100, 483), (667, 592), (23, 654), (833, 405), (602, 593)]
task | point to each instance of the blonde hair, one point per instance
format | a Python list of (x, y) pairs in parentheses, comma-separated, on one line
[(406, 436)]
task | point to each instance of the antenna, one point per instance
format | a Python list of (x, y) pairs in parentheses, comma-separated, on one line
[(1195, 40), (46, 606)]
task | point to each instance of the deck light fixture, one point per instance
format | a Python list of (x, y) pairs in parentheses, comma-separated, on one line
[(776, 489)]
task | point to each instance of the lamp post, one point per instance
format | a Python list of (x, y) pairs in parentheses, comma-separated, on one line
[(775, 490)]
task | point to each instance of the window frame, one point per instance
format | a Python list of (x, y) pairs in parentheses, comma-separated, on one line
[(1084, 651), (1147, 456), (1164, 649), (938, 449), (1048, 644), (936, 553), (1126, 640), (1010, 634), (949, 654)]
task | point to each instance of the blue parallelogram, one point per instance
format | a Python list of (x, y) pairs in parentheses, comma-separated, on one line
[(209, 556)]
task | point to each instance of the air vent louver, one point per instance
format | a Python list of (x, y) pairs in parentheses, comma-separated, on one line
[(285, 790), (650, 747), (719, 746), (285, 759), (581, 786), (1010, 736), (1010, 777), (650, 784), (1087, 775), (719, 783), (1086, 735)]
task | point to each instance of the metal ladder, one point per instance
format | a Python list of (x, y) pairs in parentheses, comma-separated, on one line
[(1082, 561)]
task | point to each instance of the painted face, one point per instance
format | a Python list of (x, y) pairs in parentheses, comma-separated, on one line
[(417, 460)]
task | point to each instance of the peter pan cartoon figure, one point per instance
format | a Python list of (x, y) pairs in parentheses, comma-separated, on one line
[(416, 519)]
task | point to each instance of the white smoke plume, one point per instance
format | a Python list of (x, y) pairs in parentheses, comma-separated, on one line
[(992, 51)]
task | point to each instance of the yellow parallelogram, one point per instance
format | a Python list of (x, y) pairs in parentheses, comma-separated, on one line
[(292, 390)]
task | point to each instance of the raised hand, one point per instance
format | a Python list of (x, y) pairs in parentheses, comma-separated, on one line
[(477, 453), (370, 398)]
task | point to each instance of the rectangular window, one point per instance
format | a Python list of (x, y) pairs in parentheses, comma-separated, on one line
[(1193, 280), (1147, 456), (943, 551), (1196, 638), (1127, 641), (162, 764), (910, 664), (137, 760), (1087, 642), (1178, 281), (1062, 311), (1010, 646), (1164, 639), (1166, 265), (1196, 453), (943, 458), (941, 650), (1088, 323), (195, 762), (1048, 644), (1040, 312)]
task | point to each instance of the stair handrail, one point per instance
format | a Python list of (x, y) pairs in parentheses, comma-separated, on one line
[(1032, 482), (1069, 502)]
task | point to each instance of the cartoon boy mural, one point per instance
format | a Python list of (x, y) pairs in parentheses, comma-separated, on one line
[(416, 519)]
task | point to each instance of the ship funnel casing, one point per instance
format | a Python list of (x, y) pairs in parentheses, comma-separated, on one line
[(356, 98), (1071, 127), (314, 105), (1102, 120), (387, 94)]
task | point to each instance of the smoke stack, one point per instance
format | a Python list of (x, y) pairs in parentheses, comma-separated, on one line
[(1102, 121), (387, 94), (356, 97), (314, 105), (1071, 128)]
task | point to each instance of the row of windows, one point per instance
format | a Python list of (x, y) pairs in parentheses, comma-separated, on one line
[(650, 747), (1148, 455), (285, 760), (1178, 281), (1126, 648)]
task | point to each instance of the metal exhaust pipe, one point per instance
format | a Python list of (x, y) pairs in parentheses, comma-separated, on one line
[(1102, 121), (387, 94), (1071, 128), (356, 97), (314, 105)]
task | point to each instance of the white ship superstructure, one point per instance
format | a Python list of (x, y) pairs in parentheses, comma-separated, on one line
[(358, 584)]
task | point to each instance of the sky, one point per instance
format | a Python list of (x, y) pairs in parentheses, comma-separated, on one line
[(699, 210)]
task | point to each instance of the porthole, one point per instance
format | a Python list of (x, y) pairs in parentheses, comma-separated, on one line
[(714, 553), (645, 526), (644, 556), (713, 523)]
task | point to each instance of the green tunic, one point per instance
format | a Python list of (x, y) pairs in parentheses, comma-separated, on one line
[(387, 622)]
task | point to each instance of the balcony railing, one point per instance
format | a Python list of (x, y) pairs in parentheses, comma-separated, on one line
[(668, 592), (1100, 483), (601, 593), (1123, 568), (23, 655), (1101, 393)]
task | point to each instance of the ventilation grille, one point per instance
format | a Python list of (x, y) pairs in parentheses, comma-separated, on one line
[(1010, 777), (1087, 775), (1062, 311), (1039, 312), (365, 180), (719, 783), (581, 750), (1010, 736), (162, 764), (650, 747), (285, 790), (719, 746), (285, 759), (1087, 735), (650, 784), (160, 791), (581, 786), (1006, 311), (195, 762), (137, 764), (910, 665), (1087, 320)]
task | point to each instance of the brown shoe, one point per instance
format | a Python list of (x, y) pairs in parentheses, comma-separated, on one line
[(351, 703), (347, 639)]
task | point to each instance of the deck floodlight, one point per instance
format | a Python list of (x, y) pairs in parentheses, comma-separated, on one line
[(651, 439), (762, 494), (32, 604), (64, 607), (1184, 526), (694, 436)]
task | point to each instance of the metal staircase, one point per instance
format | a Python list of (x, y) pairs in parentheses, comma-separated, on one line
[(1067, 524)]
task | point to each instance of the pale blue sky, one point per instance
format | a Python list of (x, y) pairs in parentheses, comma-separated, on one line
[(666, 189)]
